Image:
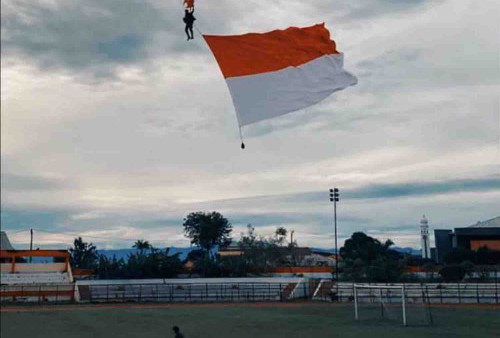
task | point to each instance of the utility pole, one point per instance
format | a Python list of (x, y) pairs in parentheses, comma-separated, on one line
[(334, 197), (31, 242)]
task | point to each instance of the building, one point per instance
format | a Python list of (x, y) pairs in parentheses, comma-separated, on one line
[(234, 249), (481, 234), (297, 261), (34, 282), (424, 234), (5, 245)]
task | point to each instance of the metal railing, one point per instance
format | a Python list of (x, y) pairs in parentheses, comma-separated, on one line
[(37, 293), (156, 292), (189, 292), (433, 293)]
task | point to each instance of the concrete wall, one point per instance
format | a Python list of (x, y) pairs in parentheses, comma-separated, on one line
[(35, 267)]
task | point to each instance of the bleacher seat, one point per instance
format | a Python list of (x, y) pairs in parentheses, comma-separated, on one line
[(34, 278), (187, 292)]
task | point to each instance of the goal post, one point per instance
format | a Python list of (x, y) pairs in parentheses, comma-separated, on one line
[(381, 288)]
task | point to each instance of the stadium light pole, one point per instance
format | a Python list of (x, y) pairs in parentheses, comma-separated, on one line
[(334, 197), (31, 243)]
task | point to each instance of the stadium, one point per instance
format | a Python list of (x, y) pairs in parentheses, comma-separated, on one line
[(56, 304), (248, 169)]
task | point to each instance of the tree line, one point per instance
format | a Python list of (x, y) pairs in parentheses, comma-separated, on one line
[(207, 232), (362, 258), (146, 262)]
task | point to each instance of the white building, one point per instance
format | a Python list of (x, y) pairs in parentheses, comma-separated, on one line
[(4, 242), (424, 234)]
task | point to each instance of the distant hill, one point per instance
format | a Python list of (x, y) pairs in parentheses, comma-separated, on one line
[(183, 252), (124, 253), (407, 250), (331, 251)]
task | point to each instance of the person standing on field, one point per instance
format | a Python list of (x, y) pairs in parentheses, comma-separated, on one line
[(177, 332)]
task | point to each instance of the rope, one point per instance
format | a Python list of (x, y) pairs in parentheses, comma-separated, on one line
[(241, 137), (199, 32)]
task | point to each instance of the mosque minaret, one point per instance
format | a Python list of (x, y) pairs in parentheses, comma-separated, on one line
[(424, 233)]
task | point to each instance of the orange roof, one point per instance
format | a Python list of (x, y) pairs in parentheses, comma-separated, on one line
[(34, 253)]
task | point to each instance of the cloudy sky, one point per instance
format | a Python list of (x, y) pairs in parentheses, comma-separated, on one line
[(114, 127)]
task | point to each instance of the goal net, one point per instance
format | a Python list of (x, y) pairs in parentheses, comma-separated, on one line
[(389, 303)]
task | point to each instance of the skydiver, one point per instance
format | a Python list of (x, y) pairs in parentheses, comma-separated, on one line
[(189, 20)]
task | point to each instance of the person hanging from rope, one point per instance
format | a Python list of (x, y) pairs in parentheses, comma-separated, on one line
[(189, 20)]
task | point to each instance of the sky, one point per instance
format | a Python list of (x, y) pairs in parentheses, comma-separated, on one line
[(114, 127)]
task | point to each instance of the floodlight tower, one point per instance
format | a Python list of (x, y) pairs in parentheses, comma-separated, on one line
[(334, 197), (424, 234)]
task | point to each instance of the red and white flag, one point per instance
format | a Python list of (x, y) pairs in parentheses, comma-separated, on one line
[(278, 72)]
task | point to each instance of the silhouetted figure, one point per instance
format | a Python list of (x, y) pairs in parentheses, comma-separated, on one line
[(177, 332), (189, 20)]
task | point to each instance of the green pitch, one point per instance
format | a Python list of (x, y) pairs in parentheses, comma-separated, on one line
[(242, 321)]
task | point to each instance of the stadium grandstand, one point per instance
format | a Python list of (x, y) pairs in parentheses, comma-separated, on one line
[(22, 280), (193, 290)]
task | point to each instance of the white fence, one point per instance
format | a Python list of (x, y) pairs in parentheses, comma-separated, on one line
[(434, 293), (192, 290)]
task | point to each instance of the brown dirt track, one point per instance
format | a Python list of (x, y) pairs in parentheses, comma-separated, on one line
[(61, 307)]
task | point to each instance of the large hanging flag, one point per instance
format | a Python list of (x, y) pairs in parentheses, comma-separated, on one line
[(278, 72)]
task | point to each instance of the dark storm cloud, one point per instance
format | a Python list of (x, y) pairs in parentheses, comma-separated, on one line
[(76, 220), (25, 218), (425, 189), (298, 200), (298, 217), (400, 190), (27, 183), (121, 49), (91, 36)]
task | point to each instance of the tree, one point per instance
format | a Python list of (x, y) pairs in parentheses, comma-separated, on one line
[(155, 264), (259, 253), (366, 258), (280, 236), (364, 247), (207, 229), (83, 254), (110, 268), (142, 245)]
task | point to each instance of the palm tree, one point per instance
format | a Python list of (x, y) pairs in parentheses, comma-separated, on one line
[(142, 245)]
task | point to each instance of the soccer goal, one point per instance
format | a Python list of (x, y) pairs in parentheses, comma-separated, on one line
[(379, 299)]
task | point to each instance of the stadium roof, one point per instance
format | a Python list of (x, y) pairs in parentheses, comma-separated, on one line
[(4, 242), (491, 223)]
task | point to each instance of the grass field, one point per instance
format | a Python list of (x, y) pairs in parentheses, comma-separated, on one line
[(242, 320)]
